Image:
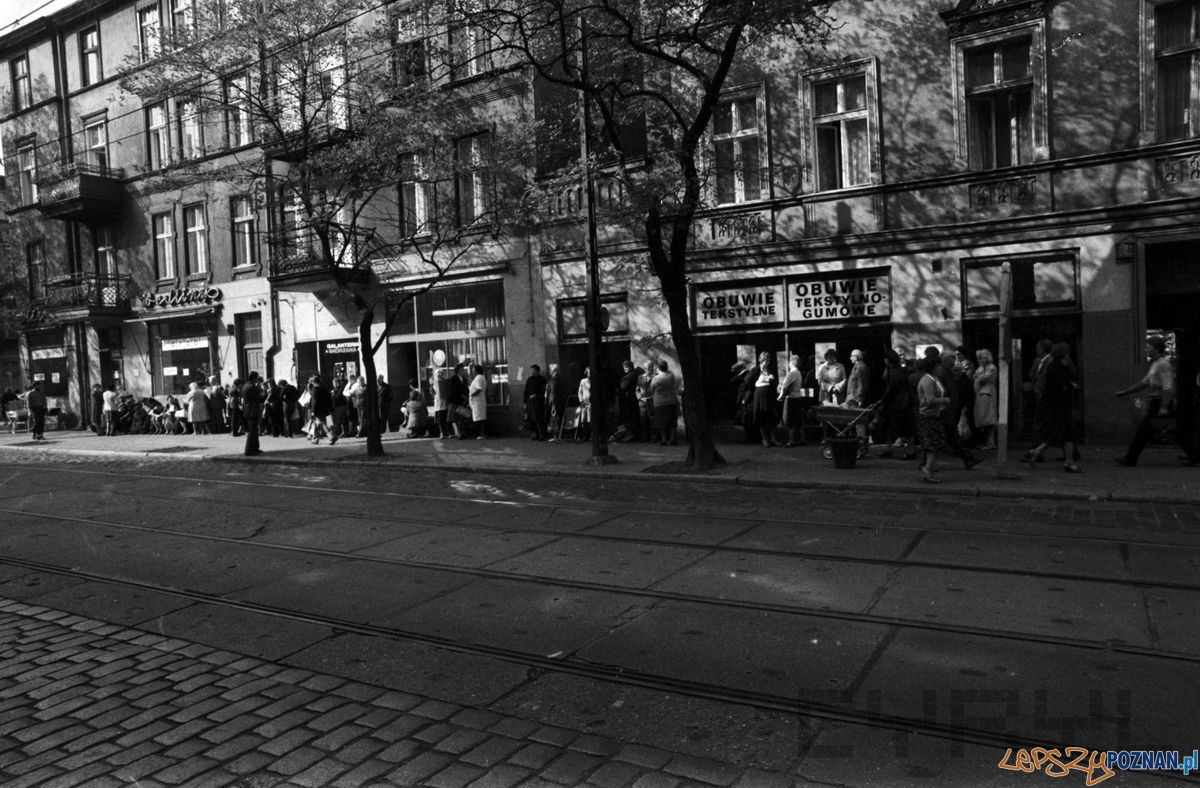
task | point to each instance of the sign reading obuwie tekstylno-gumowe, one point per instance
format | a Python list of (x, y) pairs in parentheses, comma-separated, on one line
[(847, 299)]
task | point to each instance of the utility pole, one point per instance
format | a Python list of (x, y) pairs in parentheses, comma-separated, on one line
[(595, 329), (1004, 352)]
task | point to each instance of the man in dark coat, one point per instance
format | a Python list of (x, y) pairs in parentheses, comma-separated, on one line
[(291, 399), (252, 408), (627, 403), (535, 402)]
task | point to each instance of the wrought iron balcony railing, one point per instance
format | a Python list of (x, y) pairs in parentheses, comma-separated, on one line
[(81, 191), (86, 292), (299, 253)]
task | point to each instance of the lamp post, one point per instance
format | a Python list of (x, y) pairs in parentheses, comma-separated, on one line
[(595, 330)]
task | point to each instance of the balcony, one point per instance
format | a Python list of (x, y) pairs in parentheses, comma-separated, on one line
[(82, 192), (85, 297), (296, 142), (298, 262)]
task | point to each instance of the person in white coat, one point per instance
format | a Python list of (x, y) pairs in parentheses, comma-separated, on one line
[(477, 394)]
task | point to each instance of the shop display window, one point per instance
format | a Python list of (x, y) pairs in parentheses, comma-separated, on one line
[(183, 353)]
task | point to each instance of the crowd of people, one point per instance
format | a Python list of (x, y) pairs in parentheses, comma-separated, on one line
[(944, 402)]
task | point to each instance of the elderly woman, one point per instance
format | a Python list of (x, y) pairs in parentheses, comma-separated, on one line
[(831, 377), (197, 407), (791, 396), (986, 415)]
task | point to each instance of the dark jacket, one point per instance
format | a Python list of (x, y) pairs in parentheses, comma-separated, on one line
[(252, 400)]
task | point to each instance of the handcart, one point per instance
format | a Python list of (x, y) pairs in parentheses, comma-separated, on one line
[(842, 422)]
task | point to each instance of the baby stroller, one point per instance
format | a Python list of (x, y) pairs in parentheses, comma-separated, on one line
[(843, 422)]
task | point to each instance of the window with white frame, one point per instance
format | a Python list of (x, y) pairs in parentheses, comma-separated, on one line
[(738, 148), (409, 57), (237, 112), (149, 32), (158, 137), (89, 55), (416, 197), (27, 189), (35, 269), (183, 18), (1176, 68), (242, 218), (841, 131), (195, 247), (106, 251), (22, 88), (191, 129), (164, 245), (470, 46), (95, 143), (474, 184)]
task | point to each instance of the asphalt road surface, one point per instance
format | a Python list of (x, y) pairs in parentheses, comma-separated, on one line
[(838, 638)]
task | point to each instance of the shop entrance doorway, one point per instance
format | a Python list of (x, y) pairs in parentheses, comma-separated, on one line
[(1173, 311)]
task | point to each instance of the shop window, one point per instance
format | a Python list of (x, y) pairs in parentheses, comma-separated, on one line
[(183, 354), (164, 246), (149, 32), (244, 242), (48, 362), (158, 137), (89, 55), (1001, 106), (191, 129), (845, 122), (35, 269), (22, 88), (572, 317), (195, 247), (463, 308), (95, 144), (1049, 282), (739, 148), (1176, 37)]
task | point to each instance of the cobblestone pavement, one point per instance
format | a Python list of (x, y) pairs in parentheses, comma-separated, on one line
[(85, 703)]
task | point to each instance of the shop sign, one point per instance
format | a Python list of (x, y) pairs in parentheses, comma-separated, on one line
[(849, 298), (190, 343), (740, 306), (49, 352), (341, 349), (182, 296)]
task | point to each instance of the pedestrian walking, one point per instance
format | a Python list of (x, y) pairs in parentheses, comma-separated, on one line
[(1159, 385), (35, 403), (252, 409), (535, 402), (664, 390), (1059, 393), (895, 405)]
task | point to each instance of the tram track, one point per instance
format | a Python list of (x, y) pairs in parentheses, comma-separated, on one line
[(651, 594), (571, 663)]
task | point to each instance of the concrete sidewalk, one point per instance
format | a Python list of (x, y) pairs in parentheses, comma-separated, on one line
[(1159, 478)]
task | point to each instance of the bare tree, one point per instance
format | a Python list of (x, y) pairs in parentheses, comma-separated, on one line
[(659, 69), (332, 108)]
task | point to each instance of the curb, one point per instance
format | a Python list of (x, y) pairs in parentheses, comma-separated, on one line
[(392, 460)]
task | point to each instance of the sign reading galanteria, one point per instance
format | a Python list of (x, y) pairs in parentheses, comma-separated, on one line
[(848, 298), (740, 305), (182, 296)]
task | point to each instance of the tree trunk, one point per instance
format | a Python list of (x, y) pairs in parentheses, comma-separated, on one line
[(369, 418)]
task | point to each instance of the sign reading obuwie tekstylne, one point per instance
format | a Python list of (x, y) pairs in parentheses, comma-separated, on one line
[(845, 299), (740, 305)]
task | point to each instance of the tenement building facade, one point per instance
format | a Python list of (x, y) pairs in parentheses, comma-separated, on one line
[(866, 199)]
